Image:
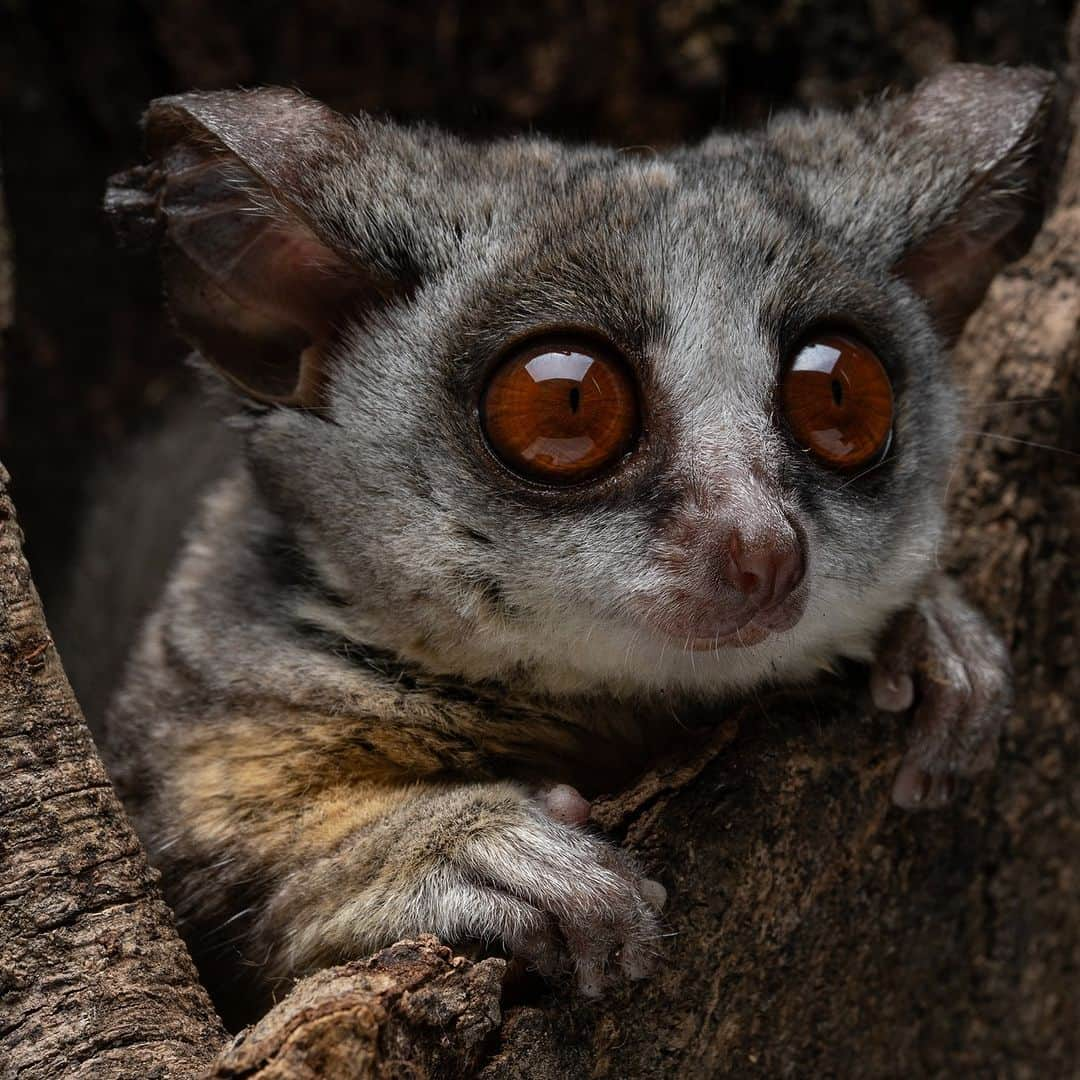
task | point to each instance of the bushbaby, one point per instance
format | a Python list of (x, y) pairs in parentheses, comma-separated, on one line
[(537, 444)]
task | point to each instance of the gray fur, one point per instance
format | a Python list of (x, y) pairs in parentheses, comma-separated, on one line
[(369, 572)]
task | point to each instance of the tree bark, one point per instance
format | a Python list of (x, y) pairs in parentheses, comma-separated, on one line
[(413, 1010), (94, 981)]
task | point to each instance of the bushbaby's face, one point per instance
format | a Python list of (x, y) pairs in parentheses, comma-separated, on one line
[(570, 451), (588, 418)]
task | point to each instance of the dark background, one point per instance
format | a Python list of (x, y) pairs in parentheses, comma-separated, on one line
[(90, 357)]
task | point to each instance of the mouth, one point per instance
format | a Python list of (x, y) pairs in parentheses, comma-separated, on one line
[(752, 629)]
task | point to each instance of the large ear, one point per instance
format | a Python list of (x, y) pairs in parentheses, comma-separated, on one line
[(982, 128), (940, 186), (258, 279)]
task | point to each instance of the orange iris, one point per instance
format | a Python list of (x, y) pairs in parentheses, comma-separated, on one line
[(560, 411), (838, 401)]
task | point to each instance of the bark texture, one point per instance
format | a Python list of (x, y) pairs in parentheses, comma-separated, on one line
[(413, 1010), (94, 981)]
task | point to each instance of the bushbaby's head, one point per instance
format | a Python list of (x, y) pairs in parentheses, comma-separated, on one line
[(585, 417)]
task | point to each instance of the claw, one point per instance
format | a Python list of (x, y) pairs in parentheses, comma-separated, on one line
[(944, 659)]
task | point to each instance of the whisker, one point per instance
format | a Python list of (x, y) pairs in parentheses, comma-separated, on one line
[(232, 919), (859, 476), (1024, 442), (1012, 401)]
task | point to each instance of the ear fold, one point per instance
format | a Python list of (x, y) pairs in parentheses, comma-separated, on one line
[(941, 186), (980, 128), (256, 281)]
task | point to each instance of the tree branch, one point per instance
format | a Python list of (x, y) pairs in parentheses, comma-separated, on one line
[(411, 1010)]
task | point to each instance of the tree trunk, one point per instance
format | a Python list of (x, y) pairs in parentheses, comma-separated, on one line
[(93, 979), (813, 928)]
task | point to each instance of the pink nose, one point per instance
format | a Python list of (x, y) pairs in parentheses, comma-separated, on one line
[(765, 570)]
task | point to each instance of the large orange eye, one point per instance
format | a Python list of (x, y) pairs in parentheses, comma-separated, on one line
[(560, 411), (838, 401)]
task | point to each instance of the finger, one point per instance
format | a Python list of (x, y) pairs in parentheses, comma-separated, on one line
[(653, 893), (638, 959), (916, 788), (566, 805), (891, 691), (486, 914), (591, 968)]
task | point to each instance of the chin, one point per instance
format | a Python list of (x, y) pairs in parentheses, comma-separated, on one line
[(642, 662), (792, 647)]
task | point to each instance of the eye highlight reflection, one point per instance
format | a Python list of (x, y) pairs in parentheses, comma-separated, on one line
[(560, 411)]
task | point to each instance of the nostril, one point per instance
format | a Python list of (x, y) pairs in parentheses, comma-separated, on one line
[(749, 569), (765, 572), (747, 582)]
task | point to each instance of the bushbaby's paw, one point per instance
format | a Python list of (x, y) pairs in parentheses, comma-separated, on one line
[(521, 872), (942, 657)]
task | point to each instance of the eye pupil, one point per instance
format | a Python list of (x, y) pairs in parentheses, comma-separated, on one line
[(560, 412), (838, 401)]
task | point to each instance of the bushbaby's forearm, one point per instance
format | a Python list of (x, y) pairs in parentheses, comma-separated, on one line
[(351, 853), (471, 862)]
